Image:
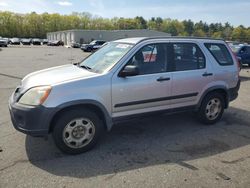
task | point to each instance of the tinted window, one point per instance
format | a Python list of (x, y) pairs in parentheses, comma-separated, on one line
[(220, 53), (248, 50), (150, 59), (242, 50), (186, 56), (102, 42)]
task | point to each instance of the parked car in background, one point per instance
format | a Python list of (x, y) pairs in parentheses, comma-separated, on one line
[(7, 39), (26, 41), (77, 103), (15, 41), (45, 41), (55, 43), (93, 46), (36, 41), (3, 42), (235, 48), (243, 55), (75, 45)]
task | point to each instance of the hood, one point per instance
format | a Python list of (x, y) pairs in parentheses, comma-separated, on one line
[(54, 75)]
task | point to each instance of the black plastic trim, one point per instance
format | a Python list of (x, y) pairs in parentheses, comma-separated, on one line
[(233, 92), (155, 100), (154, 113)]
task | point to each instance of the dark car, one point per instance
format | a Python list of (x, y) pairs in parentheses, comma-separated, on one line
[(26, 41), (3, 42), (75, 45), (243, 55), (15, 41), (36, 41), (55, 43), (45, 41), (93, 46)]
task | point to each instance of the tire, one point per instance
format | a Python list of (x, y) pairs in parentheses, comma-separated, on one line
[(212, 108), (77, 131)]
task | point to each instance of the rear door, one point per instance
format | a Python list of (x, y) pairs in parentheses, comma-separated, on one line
[(190, 72)]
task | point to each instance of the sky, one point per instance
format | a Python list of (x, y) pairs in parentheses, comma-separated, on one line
[(236, 12)]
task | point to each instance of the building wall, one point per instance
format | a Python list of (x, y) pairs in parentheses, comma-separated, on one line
[(86, 36)]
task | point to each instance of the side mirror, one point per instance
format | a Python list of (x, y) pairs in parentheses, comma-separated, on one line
[(129, 70)]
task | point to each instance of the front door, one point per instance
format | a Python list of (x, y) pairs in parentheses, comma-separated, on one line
[(148, 91)]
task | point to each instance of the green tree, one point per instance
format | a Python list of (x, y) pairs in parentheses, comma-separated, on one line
[(240, 34), (174, 27), (141, 22), (188, 27), (199, 33)]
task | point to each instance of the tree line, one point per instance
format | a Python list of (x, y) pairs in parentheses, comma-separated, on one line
[(37, 25)]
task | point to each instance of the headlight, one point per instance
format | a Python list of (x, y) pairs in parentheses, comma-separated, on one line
[(35, 96)]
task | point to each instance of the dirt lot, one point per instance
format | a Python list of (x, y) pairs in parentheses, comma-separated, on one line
[(162, 151)]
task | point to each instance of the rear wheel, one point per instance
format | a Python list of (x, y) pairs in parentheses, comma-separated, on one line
[(212, 108), (77, 131)]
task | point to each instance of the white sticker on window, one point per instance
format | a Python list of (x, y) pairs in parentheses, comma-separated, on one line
[(124, 46)]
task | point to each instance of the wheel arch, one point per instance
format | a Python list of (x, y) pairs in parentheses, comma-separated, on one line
[(88, 104), (219, 89)]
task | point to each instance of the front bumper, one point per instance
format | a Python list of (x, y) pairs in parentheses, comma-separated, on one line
[(3, 44), (34, 121)]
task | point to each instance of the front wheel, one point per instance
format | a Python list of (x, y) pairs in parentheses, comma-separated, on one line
[(212, 108), (77, 131)]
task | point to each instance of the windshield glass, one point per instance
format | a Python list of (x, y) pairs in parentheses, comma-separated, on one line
[(93, 42), (106, 57)]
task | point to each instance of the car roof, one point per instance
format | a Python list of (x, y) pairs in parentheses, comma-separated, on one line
[(140, 39)]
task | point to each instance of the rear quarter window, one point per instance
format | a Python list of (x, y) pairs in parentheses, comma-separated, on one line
[(220, 53)]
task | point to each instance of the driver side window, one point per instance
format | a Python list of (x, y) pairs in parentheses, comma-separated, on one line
[(150, 59)]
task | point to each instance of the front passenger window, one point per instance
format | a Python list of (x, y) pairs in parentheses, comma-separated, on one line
[(150, 59)]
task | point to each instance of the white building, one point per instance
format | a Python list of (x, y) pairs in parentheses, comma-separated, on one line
[(86, 36)]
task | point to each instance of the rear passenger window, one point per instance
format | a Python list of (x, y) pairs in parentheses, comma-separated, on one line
[(220, 53), (187, 56)]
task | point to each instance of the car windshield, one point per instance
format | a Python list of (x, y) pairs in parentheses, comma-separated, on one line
[(93, 42), (106, 57)]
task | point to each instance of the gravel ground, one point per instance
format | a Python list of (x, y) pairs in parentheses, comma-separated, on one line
[(160, 151)]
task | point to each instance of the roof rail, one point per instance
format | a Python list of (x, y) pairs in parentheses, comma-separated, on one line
[(178, 37)]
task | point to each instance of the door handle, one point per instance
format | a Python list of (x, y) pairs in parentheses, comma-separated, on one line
[(161, 79), (207, 74)]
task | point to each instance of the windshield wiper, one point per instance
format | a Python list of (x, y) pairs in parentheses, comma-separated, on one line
[(82, 66), (76, 64), (85, 67)]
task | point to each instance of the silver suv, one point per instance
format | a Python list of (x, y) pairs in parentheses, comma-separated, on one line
[(124, 79)]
